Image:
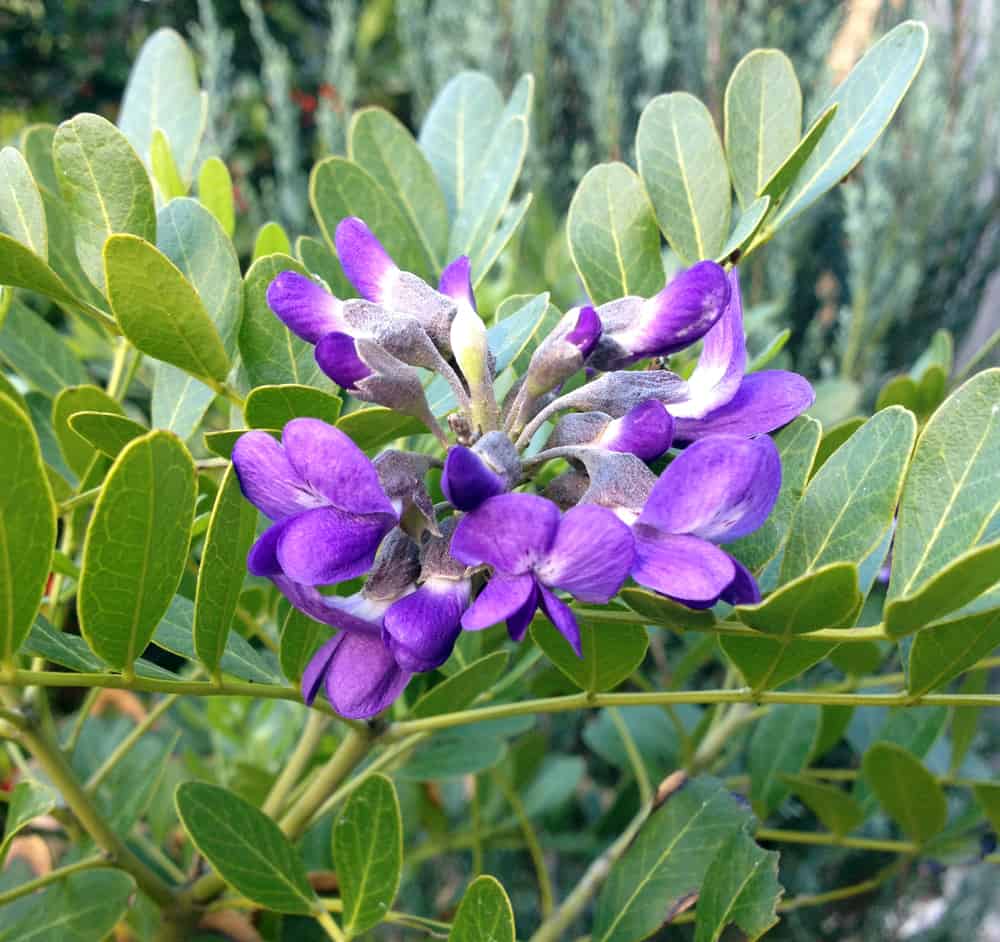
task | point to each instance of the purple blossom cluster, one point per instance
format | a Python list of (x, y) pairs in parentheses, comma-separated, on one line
[(496, 550)]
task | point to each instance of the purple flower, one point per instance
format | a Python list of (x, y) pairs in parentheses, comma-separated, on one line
[(646, 431), (683, 312), (308, 310), (329, 510), (564, 350), (723, 398), (717, 490), (532, 549), (473, 475)]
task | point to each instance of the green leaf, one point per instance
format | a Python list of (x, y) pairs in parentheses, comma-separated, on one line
[(989, 797), (375, 427), (246, 847), (511, 220), (654, 737), (38, 352), (484, 914), (781, 744), (739, 240), (797, 444), (741, 886), (833, 438), (666, 612), (108, 432), (948, 503), (613, 238), (767, 662), (323, 264), (271, 353), (383, 146), (239, 658), (124, 796), (849, 504), (492, 181), (962, 580), (136, 547), (339, 188), (80, 908), (763, 107), (684, 169), (215, 193), (835, 808), (457, 131), (21, 268), (942, 651), (189, 235), (899, 391), (771, 351), (163, 93), (273, 406), (160, 311), (663, 870), (300, 639), (459, 751), (77, 451), (462, 688), (104, 186), (866, 101), (165, 172), (231, 530), (910, 795), (785, 175), (368, 853), (271, 240), (22, 213), (824, 598), (28, 800), (611, 652), (27, 528), (965, 722)]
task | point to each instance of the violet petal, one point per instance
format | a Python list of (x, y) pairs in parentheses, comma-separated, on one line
[(743, 590), (363, 678), (456, 281), (421, 628), (268, 479), (685, 568), (467, 481), (307, 309), (365, 261), (315, 672), (561, 615), (646, 431), (499, 600), (337, 356), (511, 533)]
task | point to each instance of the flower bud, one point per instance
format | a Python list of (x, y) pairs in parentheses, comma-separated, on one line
[(564, 351), (401, 474), (472, 475)]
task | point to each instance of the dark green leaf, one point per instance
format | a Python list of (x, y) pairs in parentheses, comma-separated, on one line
[(610, 652), (781, 744), (663, 870), (462, 688), (223, 568), (246, 847), (27, 528), (136, 547), (108, 432), (739, 240), (866, 101), (909, 793), (453, 753), (784, 176), (484, 915), (104, 186), (766, 662), (613, 237), (763, 108), (899, 391), (322, 263), (300, 639), (125, 794), (741, 886), (368, 853), (824, 598), (988, 797), (28, 800), (941, 652), (160, 311), (77, 451), (683, 166), (833, 438), (835, 808), (274, 406), (965, 722), (374, 427), (22, 213), (666, 612)]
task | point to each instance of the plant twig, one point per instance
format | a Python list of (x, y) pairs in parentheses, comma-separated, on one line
[(60, 873)]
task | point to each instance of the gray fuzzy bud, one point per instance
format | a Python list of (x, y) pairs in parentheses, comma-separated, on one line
[(436, 561), (401, 335), (397, 566), (435, 311), (578, 428), (616, 393), (401, 474), (500, 454)]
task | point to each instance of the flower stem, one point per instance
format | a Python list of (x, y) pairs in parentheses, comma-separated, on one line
[(545, 895), (60, 873), (329, 926), (825, 839), (312, 733)]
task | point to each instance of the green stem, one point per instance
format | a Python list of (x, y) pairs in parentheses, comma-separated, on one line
[(545, 895), (23, 889), (58, 769), (824, 839), (80, 719), (329, 926), (116, 387), (634, 756), (312, 733)]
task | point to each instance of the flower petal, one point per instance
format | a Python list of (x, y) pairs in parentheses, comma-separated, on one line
[(337, 356), (743, 590), (764, 401), (467, 481), (421, 628), (500, 599), (517, 623), (591, 556), (315, 672), (363, 678), (720, 488), (328, 545), (268, 479), (511, 533), (685, 568), (646, 431), (262, 560), (586, 332), (357, 613), (561, 615), (306, 308), (456, 281), (330, 463), (722, 363), (365, 261)]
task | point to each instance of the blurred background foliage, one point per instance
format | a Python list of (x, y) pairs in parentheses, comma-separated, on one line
[(906, 245)]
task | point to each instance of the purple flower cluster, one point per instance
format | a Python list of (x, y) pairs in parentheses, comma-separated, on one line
[(497, 550)]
